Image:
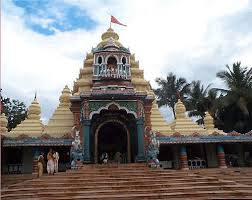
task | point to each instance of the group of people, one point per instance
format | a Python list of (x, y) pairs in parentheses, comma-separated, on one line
[(52, 163)]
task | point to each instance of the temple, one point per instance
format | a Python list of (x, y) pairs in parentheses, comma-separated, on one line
[(112, 108)]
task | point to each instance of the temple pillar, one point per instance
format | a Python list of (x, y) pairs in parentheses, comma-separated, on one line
[(221, 156), (35, 160), (211, 155), (86, 140), (140, 138), (240, 152), (175, 151), (183, 158)]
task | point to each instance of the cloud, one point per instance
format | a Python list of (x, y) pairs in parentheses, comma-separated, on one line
[(50, 17), (43, 45)]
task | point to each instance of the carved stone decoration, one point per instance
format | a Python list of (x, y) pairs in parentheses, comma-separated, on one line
[(76, 148), (85, 111), (77, 119), (140, 109), (95, 107), (152, 150)]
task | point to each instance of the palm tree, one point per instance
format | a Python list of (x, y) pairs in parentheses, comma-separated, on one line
[(169, 89), (199, 100), (238, 96)]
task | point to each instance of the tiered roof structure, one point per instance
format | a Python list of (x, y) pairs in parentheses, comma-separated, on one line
[(32, 126), (61, 122), (183, 124), (3, 122)]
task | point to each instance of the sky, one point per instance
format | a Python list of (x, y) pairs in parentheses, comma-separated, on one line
[(44, 42)]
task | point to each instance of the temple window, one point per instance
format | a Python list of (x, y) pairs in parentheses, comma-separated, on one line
[(112, 62), (99, 60), (124, 60)]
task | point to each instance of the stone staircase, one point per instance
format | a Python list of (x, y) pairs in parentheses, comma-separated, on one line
[(135, 181)]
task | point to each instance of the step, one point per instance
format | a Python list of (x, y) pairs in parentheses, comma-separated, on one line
[(83, 195), (121, 189), (127, 182)]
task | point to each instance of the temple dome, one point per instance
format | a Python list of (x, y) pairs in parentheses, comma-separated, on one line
[(209, 124), (65, 96), (110, 34), (183, 124), (107, 37), (34, 110), (180, 109)]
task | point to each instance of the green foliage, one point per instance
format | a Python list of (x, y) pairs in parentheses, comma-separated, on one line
[(199, 100), (15, 112), (235, 110), (232, 110), (168, 90)]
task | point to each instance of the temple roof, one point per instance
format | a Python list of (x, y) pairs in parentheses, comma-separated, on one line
[(62, 121), (32, 125)]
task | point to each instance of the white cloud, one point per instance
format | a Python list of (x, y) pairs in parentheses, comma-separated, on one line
[(185, 37)]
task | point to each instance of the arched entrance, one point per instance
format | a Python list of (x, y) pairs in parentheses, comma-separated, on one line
[(112, 136)]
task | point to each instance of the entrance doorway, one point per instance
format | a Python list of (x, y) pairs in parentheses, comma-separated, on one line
[(112, 137)]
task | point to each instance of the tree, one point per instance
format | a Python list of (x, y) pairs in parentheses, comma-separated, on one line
[(236, 103), (168, 90), (15, 111), (199, 100)]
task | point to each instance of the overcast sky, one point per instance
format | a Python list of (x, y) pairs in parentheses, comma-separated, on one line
[(44, 42)]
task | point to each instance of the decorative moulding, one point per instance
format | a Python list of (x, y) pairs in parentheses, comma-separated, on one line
[(215, 134), (233, 133), (158, 134), (195, 134), (249, 133), (22, 136), (45, 136), (67, 136), (177, 134)]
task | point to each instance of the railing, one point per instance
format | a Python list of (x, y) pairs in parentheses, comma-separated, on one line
[(120, 71), (14, 168), (168, 164), (197, 163)]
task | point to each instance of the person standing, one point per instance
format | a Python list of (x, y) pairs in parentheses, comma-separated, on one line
[(50, 162), (56, 161), (40, 164)]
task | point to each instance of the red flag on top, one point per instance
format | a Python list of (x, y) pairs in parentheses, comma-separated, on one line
[(115, 21)]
